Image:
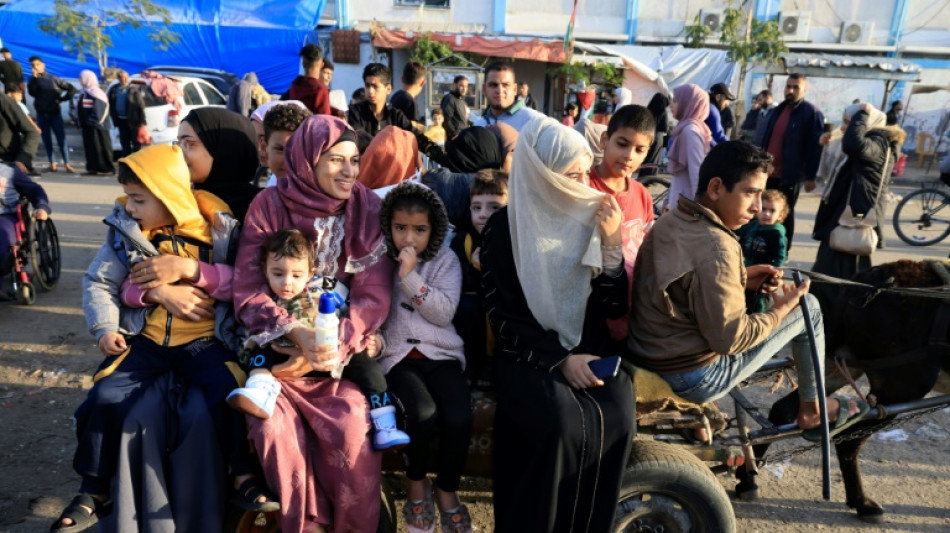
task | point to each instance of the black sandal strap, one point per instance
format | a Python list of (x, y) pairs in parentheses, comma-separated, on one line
[(79, 512), (246, 495)]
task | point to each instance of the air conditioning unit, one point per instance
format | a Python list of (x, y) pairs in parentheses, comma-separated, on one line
[(856, 32), (794, 25), (712, 19)]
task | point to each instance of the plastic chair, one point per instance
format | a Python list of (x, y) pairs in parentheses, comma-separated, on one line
[(925, 148)]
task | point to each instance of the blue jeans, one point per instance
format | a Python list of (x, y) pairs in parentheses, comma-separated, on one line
[(51, 123), (716, 380)]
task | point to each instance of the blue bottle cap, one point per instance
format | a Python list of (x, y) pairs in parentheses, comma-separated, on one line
[(327, 305)]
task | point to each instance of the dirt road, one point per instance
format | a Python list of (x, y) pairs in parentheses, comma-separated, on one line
[(47, 356)]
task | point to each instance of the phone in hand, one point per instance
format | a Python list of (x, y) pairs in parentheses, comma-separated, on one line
[(605, 367)]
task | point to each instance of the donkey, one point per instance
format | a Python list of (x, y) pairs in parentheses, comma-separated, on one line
[(901, 341)]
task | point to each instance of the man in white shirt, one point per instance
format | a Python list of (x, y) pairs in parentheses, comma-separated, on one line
[(503, 106)]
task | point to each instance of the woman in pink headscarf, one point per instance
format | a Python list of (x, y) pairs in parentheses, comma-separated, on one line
[(689, 141), (315, 448)]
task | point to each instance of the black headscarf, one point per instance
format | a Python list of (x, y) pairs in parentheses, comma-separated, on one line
[(230, 139), (473, 149), (657, 108)]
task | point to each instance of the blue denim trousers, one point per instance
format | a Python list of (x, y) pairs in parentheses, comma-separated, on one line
[(716, 380)]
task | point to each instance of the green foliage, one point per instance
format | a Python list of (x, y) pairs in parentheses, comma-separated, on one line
[(748, 41), (83, 26), (574, 72), (577, 72), (426, 50), (697, 33), (609, 73)]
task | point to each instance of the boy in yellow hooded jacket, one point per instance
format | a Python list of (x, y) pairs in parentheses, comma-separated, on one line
[(163, 242)]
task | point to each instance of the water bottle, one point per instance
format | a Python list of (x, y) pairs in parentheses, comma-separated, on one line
[(327, 328)]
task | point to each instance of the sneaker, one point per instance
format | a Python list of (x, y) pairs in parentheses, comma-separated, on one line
[(258, 396), (387, 434)]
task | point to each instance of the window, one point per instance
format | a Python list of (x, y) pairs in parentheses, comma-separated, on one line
[(192, 95), (211, 95), (427, 3)]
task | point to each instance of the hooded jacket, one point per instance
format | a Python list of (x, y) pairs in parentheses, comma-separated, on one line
[(863, 174), (203, 230), (425, 301)]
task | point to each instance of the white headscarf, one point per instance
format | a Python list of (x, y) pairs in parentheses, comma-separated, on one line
[(261, 111), (555, 242), (876, 117), (624, 97)]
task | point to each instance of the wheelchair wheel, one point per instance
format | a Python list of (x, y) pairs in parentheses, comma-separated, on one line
[(25, 294), (45, 253)]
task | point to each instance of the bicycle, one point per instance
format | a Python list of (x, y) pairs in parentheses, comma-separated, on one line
[(657, 182), (922, 218)]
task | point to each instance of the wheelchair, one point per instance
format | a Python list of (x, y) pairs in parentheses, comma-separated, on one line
[(35, 255)]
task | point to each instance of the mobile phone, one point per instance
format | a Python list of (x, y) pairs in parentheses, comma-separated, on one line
[(605, 367)]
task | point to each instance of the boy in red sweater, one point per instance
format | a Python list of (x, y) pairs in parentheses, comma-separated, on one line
[(625, 144)]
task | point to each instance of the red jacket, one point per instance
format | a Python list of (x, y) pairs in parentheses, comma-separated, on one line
[(312, 92)]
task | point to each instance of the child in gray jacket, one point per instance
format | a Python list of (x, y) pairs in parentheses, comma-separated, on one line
[(422, 354)]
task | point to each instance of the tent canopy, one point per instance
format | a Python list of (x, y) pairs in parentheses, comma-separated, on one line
[(239, 36), (840, 66), (927, 89)]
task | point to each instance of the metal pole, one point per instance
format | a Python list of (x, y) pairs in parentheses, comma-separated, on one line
[(822, 401)]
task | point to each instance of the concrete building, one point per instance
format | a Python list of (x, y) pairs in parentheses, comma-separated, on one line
[(916, 31)]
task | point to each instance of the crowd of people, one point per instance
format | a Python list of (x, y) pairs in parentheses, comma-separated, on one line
[(353, 304)]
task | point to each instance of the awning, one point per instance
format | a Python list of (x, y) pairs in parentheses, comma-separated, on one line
[(841, 66), (532, 49)]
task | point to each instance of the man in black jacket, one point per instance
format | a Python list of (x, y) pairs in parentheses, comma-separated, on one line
[(371, 116), (11, 73), (791, 136), (47, 92), (18, 136), (127, 110), (454, 109)]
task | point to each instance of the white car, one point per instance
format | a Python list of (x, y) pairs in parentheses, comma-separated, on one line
[(161, 118)]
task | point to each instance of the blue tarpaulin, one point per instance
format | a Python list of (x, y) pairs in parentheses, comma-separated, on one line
[(239, 36)]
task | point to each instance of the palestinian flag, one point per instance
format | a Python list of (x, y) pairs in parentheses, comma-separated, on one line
[(569, 36)]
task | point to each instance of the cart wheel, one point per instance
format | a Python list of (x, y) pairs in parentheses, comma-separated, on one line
[(26, 294), (668, 489), (44, 253)]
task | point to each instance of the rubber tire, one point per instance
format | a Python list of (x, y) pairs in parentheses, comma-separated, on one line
[(945, 211), (26, 294), (46, 267), (659, 181), (668, 474)]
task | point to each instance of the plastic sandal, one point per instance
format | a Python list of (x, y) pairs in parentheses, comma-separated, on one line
[(456, 521), (843, 421), (247, 494), (420, 510), (82, 517)]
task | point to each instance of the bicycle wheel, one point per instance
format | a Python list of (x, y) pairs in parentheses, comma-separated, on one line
[(659, 189), (922, 218)]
